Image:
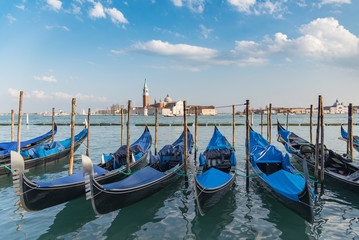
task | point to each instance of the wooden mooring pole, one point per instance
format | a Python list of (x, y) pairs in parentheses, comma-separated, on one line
[(350, 133), (195, 132), (128, 137), (247, 145), (270, 123), (311, 123), (185, 136), (19, 122), (12, 125), (72, 148), (316, 166), (122, 125), (262, 123), (234, 126), (88, 133), (322, 144), (156, 129), (287, 120), (53, 125)]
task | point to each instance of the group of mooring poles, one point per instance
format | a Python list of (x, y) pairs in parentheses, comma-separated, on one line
[(72, 147)]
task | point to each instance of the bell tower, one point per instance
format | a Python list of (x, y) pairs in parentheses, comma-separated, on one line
[(145, 95)]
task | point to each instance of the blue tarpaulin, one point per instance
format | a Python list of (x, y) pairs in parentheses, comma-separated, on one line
[(74, 178), (282, 180), (6, 147), (218, 141), (141, 177), (213, 178), (46, 149), (286, 183)]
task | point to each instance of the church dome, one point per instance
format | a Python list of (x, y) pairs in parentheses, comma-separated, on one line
[(168, 99)]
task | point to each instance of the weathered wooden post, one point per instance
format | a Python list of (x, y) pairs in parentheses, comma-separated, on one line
[(156, 129), (128, 137), (270, 123), (72, 148), (251, 118), (53, 125), (19, 122), (350, 133), (311, 123), (195, 132), (316, 166), (322, 143), (247, 145), (234, 126), (88, 133), (287, 119), (185, 136), (262, 122), (122, 125), (12, 125)]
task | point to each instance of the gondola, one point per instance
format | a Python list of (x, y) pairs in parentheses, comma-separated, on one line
[(7, 147), (163, 169), (276, 174), (36, 196), (216, 173), (345, 137), (338, 170)]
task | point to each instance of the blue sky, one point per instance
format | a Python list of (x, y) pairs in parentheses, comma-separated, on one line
[(206, 52)]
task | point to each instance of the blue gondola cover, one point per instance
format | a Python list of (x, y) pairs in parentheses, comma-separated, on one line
[(74, 178), (213, 178), (286, 183), (141, 177)]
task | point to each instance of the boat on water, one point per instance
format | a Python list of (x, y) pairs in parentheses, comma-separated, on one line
[(35, 196), (216, 173), (7, 147), (276, 174), (338, 170), (163, 169), (61, 113), (345, 137)]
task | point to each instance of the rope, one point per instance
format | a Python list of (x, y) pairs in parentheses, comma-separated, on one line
[(6, 167), (180, 174), (311, 178), (250, 175), (241, 104), (127, 174)]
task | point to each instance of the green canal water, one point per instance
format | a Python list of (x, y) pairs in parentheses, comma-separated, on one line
[(172, 213)]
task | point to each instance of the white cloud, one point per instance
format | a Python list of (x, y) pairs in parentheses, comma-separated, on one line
[(97, 11), (40, 95), (159, 47), (11, 18), (322, 39), (60, 27), (177, 3), (22, 7), (80, 96), (275, 8), (194, 5), (45, 78), (16, 93), (205, 31), (243, 5), (54, 4), (116, 15), (336, 1)]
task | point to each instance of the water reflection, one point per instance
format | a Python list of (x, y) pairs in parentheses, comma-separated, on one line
[(133, 218), (211, 225), (70, 219)]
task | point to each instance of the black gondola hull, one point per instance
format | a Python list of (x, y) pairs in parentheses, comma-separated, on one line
[(302, 208), (105, 201), (207, 198), (43, 161), (35, 198)]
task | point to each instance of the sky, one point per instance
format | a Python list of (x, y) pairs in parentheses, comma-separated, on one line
[(215, 52)]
